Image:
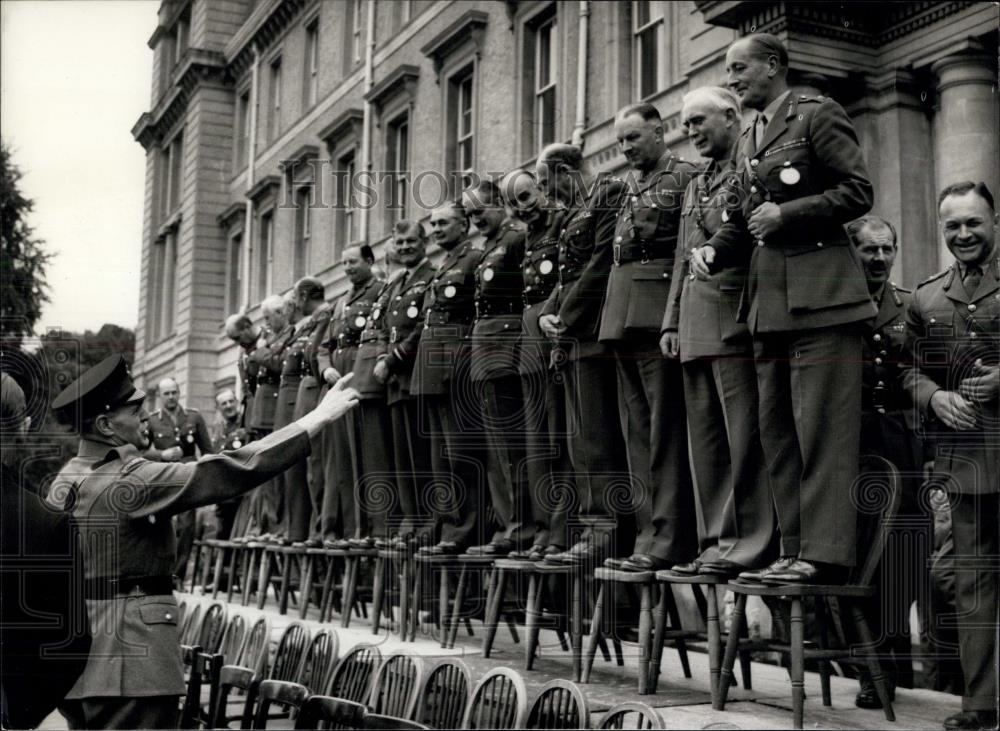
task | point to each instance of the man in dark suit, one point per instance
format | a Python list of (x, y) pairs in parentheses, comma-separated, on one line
[(736, 522), (570, 318), (953, 339), (229, 434), (44, 635), (134, 674), (441, 380), (650, 387), (801, 178), (241, 330), (399, 319)]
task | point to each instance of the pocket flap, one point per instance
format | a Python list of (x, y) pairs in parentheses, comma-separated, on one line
[(158, 613)]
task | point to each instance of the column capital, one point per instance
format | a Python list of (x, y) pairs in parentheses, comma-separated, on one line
[(964, 68)]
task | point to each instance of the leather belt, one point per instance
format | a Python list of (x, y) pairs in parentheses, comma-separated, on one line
[(109, 588), (438, 317), (268, 381), (495, 309), (625, 253), (369, 335)]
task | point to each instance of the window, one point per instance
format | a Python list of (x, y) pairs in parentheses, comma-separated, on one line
[(264, 243), (541, 73), (347, 218), (647, 39), (171, 171), (356, 39), (181, 31), (303, 232), (274, 108), (401, 13), (163, 292), (234, 272), (243, 131), (311, 66), (461, 127), (398, 159)]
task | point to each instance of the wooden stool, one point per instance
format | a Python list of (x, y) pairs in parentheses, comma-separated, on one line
[(503, 570), (352, 569), (196, 547), (482, 564), (440, 566), (252, 553), (382, 587)]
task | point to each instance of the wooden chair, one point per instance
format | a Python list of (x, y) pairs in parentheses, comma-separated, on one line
[(191, 625), (205, 672), (323, 711), (320, 660), (499, 701), (234, 677), (192, 671), (877, 494), (213, 625), (231, 646), (290, 654), (257, 645), (560, 705), (290, 696), (394, 692), (376, 721), (444, 695), (631, 715), (353, 676)]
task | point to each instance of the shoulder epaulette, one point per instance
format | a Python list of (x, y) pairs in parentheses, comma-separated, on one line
[(933, 277), (132, 464), (810, 98), (904, 290)]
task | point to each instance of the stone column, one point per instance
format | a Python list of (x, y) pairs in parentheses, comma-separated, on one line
[(966, 123)]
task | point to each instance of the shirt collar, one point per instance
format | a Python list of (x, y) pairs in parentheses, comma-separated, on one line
[(771, 109)]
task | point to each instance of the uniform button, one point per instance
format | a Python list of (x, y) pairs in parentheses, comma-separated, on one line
[(878, 361), (168, 615), (972, 334), (395, 312), (618, 239), (883, 352), (972, 308), (881, 410), (704, 199), (506, 326), (664, 275), (882, 384), (754, 163), (877, 338), (760, 242), (819, 244), (753, 188), (933, 321)]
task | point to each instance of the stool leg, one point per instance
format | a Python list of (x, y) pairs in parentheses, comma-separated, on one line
[(595, 633), (404, 596), (714, 638), (645, 635), (874, 666), (347, 603), (824, 643), (307, 585), (576, 624), (235, 554), (418, 574), (798, 662), (378, 591), (456, 611), (285, 562), (745, 659), (196, 568), (675, 623), (492, 618), (659, 629), (531, 617), (444, 591), (220, 559), (249, 573), (732, 644), (263, 578), (326, 597)]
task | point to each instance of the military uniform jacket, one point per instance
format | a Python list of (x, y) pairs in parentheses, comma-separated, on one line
[(123, 504), (807, 275), (351, 316), (303, 355), (947, 330), (401, 323), (248, 382), (643, 251), (586, 237), (883, 354), (449, 310), (187, 432), (371, 348), (499, 307), (704, 313), (230, 435), (540, 275), (265, 363)]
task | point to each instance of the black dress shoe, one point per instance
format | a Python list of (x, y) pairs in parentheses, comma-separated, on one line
[(687, 569), (540, 553), (868, 698), (798, 571), (337, 544), (971, 720), (759, 574), (722, 567), (584, 552), (642, 562), (496, 548), (364, 543), (444, 548)]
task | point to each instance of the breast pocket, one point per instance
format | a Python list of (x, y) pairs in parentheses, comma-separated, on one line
[(647, 220), (647, 299), (788, 173)]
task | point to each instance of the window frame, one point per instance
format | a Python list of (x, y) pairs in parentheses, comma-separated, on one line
[(234, 269), (398, 166), (455, 139), (274, 100), (262, 281), (657, 25), (310, 66)]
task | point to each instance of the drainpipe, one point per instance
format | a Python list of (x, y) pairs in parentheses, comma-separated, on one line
[(366, 132), (581, 75), (251, 163)]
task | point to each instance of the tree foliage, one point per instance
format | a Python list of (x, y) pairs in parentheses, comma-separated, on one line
[(23, 291)]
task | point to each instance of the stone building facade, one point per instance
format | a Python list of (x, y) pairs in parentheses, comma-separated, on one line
[(261, 109)]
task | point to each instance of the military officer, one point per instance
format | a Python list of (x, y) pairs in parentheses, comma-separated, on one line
[(177, 435), (343, 524), (650, 386), (450, 414), (801, 178), (953, 339), (229, 434), (571, 317), (264, 365), (240, 329), (399, 317), (494, 376), (548, 467), (886, 431), (736, 524), (123, 503)]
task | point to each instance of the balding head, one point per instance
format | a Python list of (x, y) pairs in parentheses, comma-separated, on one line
[(273, 309), (240, 329), (169, 393), (757, 69), (449, 225)]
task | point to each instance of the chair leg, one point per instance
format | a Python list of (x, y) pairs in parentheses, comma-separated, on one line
[(745, 660), (306, 589), (285, 562), (196, 568), (206, 570), (824, 643), (235, 554), (675, 623), (798, 662), (378, 593), (220, 560), (347, 604), (659, 629), (732, 644), (595, 634), (456, 611), (714, 638), (263, 578), (645, 635), (248, 573), (576, 583), (495, 596), (532, 615), (418, 580), (326, 595), (874, 666)]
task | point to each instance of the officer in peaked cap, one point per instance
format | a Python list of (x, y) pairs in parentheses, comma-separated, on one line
[(123, 504)]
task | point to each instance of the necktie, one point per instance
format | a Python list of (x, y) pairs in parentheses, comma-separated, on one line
[(759, 127), (973, 276), (403, 278)]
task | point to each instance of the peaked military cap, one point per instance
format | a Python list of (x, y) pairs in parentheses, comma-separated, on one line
[(99, 389)]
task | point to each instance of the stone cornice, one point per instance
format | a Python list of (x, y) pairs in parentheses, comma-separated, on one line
[(403, 79), (470, 25), (348, 122), (228, 216), (167, 19), (268, 20), (264, 186)]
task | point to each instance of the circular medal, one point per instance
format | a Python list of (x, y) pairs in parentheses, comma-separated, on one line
[(152, 519), (789, 176), (359, 321), (488, 274), (545, 267), (237, 444), (190, 438), (412, 311), (450, 291)]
